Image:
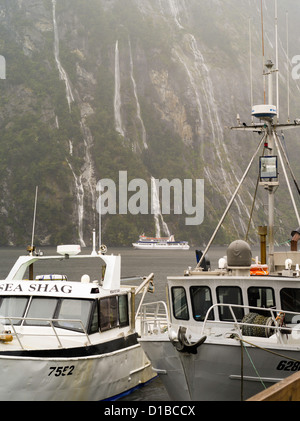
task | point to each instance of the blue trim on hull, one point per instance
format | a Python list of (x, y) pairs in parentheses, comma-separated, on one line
[(128, 392)]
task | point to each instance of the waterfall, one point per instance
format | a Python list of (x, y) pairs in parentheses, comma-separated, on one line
[(86, 178), (199, 76), (175, 12), (157, 211), (195, 88), (70, 147), (117, 99), (216, 128), (217, 131), (62, 73), (80, 203), (138, 108), (88, 171)]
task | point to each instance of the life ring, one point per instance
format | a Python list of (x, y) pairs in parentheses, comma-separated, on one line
[(259, 270)]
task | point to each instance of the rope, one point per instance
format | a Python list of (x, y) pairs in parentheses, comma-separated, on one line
[(242, 343), (267, 350), (242, 372), (253, 365)]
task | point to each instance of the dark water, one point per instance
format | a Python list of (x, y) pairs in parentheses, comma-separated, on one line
[(141, 263)]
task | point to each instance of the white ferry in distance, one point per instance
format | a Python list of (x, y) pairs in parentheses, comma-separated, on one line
[(162, 243)]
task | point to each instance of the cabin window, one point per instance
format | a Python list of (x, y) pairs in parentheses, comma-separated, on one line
[(201, 302), (180, 307), (261, 297), (290, 301), (41, 308), (123, 311), (108, 313), (12, 307), (230, 295), (74, 310), (113, 312), (94, 327)]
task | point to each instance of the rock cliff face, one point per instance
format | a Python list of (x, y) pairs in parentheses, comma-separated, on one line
[(144, 86)]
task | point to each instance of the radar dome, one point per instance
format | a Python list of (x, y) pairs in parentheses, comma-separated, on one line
[(239, 254)]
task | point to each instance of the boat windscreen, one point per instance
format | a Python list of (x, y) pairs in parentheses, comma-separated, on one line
[(12, 307)]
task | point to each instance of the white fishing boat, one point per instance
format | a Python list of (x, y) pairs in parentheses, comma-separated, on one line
[(162, 243), (230, 332), (64, 338)]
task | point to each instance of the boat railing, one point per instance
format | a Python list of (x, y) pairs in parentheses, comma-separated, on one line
[(154, 318), (58, 327), (270, 321)]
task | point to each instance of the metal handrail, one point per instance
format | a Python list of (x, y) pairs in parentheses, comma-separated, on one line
[(154, 317), (238, 324), (51, 322)]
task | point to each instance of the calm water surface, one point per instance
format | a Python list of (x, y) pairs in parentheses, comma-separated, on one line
[(134, 262)]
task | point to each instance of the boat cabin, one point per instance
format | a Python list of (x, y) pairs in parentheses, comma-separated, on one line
[(232, 291), (192, 297), (34, 297), (79, 308)]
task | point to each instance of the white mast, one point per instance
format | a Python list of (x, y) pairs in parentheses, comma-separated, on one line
[(287, 65), (33, 223), (250, 58), (277, 63)]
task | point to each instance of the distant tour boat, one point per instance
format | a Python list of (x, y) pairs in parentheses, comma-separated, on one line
[(162, 243)]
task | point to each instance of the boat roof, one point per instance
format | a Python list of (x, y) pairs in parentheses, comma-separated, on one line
[(58, 285)]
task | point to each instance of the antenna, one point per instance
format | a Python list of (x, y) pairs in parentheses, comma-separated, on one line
[(250, 58), (34, 216), (263, 49), (277, 64), (287, 65), (100, 228)]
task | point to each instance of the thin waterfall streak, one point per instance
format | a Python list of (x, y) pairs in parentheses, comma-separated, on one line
[(138, 108), (88, 170), (157, 211), (62, 73), (175, 12), (80, 200), (194, 86), (117, 99)]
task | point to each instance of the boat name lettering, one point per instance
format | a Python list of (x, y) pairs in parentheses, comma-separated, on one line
[(11, 287), (61, 371), (288, 365), (37, 287), (66, 289)]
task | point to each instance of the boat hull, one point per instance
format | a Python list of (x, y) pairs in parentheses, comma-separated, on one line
[(88, 378), (215, 372)]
